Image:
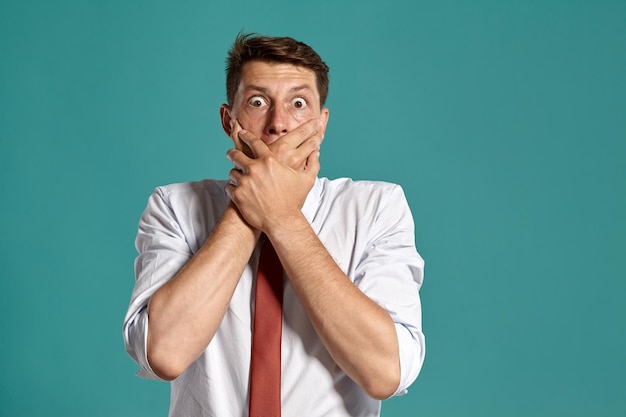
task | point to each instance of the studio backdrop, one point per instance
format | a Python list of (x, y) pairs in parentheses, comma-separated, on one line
[(504, 122)]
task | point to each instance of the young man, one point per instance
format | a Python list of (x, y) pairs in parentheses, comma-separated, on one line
[(351, 316)]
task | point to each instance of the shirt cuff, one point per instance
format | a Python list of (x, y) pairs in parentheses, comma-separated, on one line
[(412, 350), (136, 345)]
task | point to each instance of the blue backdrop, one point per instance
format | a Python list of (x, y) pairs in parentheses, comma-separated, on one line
[(505, 122)]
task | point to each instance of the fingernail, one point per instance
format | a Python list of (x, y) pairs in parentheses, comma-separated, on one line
[(232, 123)]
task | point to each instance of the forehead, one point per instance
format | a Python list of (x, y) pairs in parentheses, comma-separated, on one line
[(276, 77)]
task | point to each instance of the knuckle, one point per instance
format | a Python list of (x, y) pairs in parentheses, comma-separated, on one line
[(253, 169), (271, 159), (293, 160), (242, 183), (282, 147)]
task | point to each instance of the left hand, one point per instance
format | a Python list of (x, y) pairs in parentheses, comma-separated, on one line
[(267, 192), (291, 149)]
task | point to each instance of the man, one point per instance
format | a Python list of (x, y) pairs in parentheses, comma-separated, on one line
[(351, 316)]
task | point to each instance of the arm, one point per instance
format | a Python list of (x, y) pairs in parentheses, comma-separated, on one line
[(357, 332), (185, 313)]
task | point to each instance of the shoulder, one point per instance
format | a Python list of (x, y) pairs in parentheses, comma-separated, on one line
[(360, 189), (189, 197), (345, 197), (208, 186), (186, 209)]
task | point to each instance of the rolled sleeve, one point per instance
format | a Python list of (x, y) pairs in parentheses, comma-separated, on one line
[(163, 251), (391, 273)]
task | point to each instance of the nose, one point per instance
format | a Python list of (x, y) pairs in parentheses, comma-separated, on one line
[(277, 123)]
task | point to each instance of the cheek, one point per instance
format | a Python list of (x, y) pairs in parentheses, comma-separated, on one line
[(303, 115), (300, 116), (252, 120)]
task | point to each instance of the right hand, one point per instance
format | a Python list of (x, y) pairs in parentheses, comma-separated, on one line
[(292, 149), (267, 192)]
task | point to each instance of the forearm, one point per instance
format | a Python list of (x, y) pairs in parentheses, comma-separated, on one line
[(357, 332), (186, 312)]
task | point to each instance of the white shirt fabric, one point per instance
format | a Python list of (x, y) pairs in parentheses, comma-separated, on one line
[(367, 228)]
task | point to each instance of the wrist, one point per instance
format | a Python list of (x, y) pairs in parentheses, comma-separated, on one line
[(232, 217), (285, 227)]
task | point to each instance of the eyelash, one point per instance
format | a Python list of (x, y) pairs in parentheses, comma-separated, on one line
[(256, 98), (252, 99)]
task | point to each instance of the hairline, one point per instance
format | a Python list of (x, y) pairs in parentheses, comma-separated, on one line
[(309, 59)]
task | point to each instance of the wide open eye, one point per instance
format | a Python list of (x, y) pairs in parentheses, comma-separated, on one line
[(299, 103), (257, 101)]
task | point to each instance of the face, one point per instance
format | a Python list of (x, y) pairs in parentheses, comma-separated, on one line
[(274, 98)]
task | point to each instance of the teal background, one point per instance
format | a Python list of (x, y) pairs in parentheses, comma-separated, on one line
[(505, 122)]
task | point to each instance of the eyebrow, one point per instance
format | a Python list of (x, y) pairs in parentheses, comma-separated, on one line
[(291, 90)]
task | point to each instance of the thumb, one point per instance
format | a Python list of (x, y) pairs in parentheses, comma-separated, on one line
[(313, 163)]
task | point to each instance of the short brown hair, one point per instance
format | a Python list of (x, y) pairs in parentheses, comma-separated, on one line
[(252, 47)]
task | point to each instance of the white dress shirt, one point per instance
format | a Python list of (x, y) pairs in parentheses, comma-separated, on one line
[(366, 227)]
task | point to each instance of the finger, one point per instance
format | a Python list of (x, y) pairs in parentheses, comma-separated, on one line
[(239, 159), (299, 135), (235, 128), (313, 143), (297, 158), (229, 191), (234, 176), (313, 163), (257, 146)]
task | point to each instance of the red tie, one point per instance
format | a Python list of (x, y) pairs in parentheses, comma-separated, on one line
[(266, 335)]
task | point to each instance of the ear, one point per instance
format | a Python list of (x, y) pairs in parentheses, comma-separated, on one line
[(225, 117), (324, 118)]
